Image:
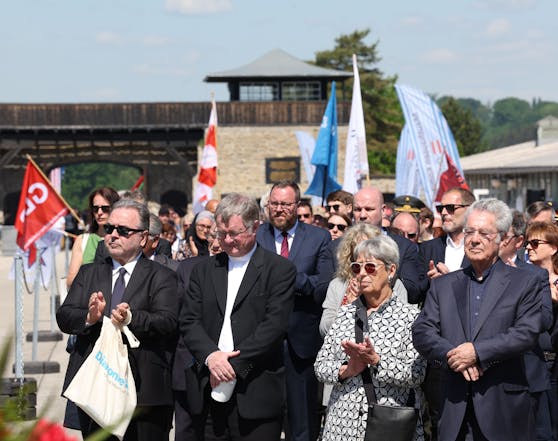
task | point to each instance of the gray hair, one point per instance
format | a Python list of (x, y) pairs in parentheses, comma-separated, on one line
[(499, 209), (381, 247), (236, 204), (353, 236), (155, 225), (140, 208)]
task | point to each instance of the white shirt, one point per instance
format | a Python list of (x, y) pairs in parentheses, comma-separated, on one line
[(129, 269), (237, 269), (279, 238), (454, 254)]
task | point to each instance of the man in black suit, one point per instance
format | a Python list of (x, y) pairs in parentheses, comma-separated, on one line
[(305, 246), (148, 305), (234, 320)]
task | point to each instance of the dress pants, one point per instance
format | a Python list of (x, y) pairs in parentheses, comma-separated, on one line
[(303, 405), (222, 422), (151, 423)]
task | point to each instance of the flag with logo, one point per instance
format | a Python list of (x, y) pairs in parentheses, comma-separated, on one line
[(324, 157), (40, 206), (356, 155), (429, 138), (207, 177)]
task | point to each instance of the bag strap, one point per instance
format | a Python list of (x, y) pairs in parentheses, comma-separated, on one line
[(365, 374)]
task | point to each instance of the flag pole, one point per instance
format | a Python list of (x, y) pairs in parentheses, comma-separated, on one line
[(30, 159)]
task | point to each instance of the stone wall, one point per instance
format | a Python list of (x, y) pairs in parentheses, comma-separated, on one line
[(242, 153)]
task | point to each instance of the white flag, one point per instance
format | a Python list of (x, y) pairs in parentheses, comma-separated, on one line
[(307, 144), (356, 155)]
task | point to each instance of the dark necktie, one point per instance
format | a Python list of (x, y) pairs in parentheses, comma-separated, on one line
[(118, 289), (285, 245)]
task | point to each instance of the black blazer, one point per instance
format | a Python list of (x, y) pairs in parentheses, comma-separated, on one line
[(259, 321), (308, 254), (153, 298)]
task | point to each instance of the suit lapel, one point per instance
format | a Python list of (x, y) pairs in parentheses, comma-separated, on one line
[(494, 290), (268, 239), (252, 274), (298, 240), (137, 279), (220, 280), (106, 284)]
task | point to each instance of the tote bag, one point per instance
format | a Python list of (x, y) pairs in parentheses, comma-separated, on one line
[(103, 387)]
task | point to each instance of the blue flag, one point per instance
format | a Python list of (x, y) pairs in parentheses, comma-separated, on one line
[(325, 153)]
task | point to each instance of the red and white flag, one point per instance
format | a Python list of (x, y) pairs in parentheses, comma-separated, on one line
[(40, 206), (451, 178), (207, 177)]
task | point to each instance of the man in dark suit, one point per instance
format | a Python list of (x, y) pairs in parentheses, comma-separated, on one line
[(136, 292), (477, 324), (234, 321), (305, 246)]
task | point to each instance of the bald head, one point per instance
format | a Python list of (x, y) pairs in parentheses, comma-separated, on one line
[(369, 206), (408, 225), (211, 205)]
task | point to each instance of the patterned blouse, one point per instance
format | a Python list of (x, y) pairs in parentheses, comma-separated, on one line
[(400, 369)]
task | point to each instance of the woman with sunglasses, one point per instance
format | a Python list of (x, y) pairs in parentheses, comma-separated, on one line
[(85, 245), (542, 248), (337, 224), (387, 352)]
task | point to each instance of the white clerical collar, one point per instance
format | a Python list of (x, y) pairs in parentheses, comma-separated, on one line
[(242, 260)]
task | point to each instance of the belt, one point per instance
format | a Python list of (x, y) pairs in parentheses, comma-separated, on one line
[(549, 356)]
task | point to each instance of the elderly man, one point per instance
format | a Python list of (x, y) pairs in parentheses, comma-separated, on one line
[(305, 246), (476, 325), (132, 290), (234, 320)]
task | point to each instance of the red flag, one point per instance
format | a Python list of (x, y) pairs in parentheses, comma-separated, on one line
[(138, 183), (207, 177), (451, 178), (40, 206)]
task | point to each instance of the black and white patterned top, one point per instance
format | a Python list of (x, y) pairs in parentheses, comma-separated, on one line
[(401, 368)]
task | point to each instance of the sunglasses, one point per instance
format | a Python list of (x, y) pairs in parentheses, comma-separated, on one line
[(103, 208), (450, 208), (534, 243), (369, 267), (304, 216), (340, 227), (121, 230), (335, 207)]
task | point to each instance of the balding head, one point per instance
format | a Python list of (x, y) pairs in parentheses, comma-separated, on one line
[(368, 206), (407, 224)]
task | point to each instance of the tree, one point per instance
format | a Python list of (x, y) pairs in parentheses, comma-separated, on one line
[(466, 128), (382, 114)]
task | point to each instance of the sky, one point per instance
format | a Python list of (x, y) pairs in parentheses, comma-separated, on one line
[(75, 51)]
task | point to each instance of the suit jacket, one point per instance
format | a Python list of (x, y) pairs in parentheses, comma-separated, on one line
[(152, 295), (535, 364), (259, 321), (308, 254), (508, 325)]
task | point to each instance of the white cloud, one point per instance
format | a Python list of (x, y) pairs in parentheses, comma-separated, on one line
[(109, 37), (498, 27), (441, 55), (198, 6), (155, 40)]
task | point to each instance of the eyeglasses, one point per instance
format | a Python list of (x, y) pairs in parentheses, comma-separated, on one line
[(335, 207), (304, 216), (450, 208), (485, 235), (534, 243), (340, 227), (103, 208), (223, 234), (369, 267), (410, 235), (121, 230), (283, 205)]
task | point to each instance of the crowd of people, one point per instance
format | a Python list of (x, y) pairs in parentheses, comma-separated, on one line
[(257, 319)]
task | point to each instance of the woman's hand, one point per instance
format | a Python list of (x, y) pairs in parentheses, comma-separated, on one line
[(364, 352), (352, 292), (353, 368)]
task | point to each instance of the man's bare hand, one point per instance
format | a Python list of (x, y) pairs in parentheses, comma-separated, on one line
[(435, 271), (96, 307), (472, 373), (119, 315), (219, 366), (462, 357)]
